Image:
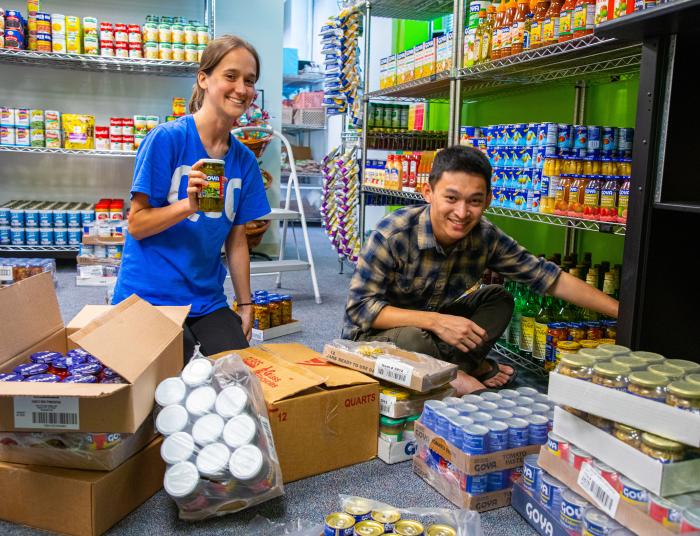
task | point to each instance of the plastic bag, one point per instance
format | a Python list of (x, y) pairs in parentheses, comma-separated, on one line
[(261, 526), (218, 444)]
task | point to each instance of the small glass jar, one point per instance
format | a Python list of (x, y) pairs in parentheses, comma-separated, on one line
[(577, 331), (627, 434), (611, 375), (684, 395), (614, 349), (566, 348), (689, 367), (597, 355), (634, 363), (409, 432), (261, 314), (600, 422), (651, 358), (275, 308), (577, 412), (391, 429), (610, 329), (669, 371), (608, 341), (576, 366), (588, 343), (662, 449), (286, 308), (594, 330), (647, 385)]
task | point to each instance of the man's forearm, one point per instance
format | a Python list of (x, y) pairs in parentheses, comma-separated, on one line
[(572, 289), (395, 317)]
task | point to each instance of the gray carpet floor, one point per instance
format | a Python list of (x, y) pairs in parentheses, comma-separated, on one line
[(312, 498)]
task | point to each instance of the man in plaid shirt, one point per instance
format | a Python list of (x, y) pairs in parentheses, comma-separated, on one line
[(412, 285)]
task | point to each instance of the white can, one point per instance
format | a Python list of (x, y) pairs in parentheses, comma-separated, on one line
[(90, 27), (91, 45), (58, 24), (164, 33), (165, 51), (107, 52), (202, 35), (139, 123), (152, 121), (150, 50), (37, 138), (177, 34), (22, 137), (53, 139), (7, 135), (100, 251), (7, 117), (22, 117), (52, 120), (36, 118), (178, 52), (102, 144), (58, 43), (191, 53)]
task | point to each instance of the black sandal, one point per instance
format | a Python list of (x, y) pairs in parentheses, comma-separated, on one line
[(495, 370)]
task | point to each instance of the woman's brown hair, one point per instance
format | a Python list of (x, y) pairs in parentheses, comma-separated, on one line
[(213, 54)]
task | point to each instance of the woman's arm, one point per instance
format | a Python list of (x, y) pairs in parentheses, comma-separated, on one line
[(238, 259)]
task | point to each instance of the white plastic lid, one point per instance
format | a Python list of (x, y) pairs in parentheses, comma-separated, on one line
[(526, 391), (201, 401), (197, 372), (207, 429), (181, 479), (177, 448), (231, 401), (172, 419), (170, 391), (246, 462), (212, 459), (239, 431)]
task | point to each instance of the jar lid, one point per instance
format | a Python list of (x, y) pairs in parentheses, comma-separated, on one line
[(208, 429), (246, 462), (684, 389), (570, 346), (181, 479), (669, 371), (687, 366), (170, 391), (214, 161), (607, 341), (648, 379), (201, 401), (625, 428), (651, 358), (634, 363), (231, 401), (197, 372), (213, 459), (611, 370), (659, 442), (398, 394), (177, 448), (389, 421), (171, 419), (615, 349), (594, 353), (239, 431), (588, 343), (693, 378)]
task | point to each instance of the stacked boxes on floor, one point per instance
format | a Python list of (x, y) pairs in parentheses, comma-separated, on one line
[(90, 450)]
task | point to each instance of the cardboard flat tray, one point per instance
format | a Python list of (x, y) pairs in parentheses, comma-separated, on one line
[(395, 451), (278, 331), (544, 522), (396, 409)]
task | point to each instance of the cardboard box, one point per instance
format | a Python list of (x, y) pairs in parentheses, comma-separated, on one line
[(418, 372), (629, 516), (449, 489), (396, 409), (134, 339), (278, 331), (654, 417), (90, 312), (301, 152), (315, 408), (392, 452), (537, 516), (81, 503), (663, 479)]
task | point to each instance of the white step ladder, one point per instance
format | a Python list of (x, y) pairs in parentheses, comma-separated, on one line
[(286, 215)]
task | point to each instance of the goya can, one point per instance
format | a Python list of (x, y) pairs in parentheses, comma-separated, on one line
[(577, 457), (339, 524), (550, 492), (79, 379), (475, 439), (212, 195), (572, 507), (409, 528), (43, 378), (518, 433), (101, 441), (440, 530), (596, 523), (4, 377), (497, 438), (531, 473), (608, 473), (30, 369), (633, 493), (387, 518), (359, 510), (558, 446), (498, 480), (368, 528)]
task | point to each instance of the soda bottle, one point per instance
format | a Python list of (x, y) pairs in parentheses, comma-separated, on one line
[(514, 331), (544, 316), (527, 324)]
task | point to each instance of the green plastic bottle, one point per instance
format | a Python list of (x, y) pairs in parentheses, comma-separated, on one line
[(527, 323), (503, 339), (545, 315), (514, 331)]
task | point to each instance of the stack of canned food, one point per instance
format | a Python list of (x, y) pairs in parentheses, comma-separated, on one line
[(174, 38), (13, 33), (13, 270), (679, 513), (76, 366), (483, 424), (269, 309)]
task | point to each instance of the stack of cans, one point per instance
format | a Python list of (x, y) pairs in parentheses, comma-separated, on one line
[(43, 223)]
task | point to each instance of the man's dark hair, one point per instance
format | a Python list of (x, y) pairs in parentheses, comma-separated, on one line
[(461, 158)]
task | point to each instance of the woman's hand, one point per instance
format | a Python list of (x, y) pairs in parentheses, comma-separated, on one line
[(246, 314), (196, 181)]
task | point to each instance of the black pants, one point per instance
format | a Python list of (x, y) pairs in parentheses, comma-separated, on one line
[(215, 332), (490, 307)]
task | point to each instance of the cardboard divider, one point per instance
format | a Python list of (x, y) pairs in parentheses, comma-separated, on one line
[(655, 417), (663, 479), (629, 516), (392, 452)]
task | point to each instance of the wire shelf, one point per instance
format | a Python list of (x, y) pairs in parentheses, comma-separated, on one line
[(68, 152), (560, 221), (86, 62), (412, 9), (411, 196), (435, 88), (519, 360), (65, 252), (291, 127)]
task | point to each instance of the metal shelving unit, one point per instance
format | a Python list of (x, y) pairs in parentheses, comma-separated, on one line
[(67, 152), (306, 79), (86, 62), (290, 127), (413, 9), (560, 221), (409, 196), (519, 360), (54, 252), (434, 88)]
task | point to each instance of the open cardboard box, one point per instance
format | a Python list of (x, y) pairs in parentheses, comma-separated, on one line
[(648, 415), (397, 409), (418, 372), (626, 514), (322, 416), (392, 452), (133, 338), (81, 503), (663, 479)]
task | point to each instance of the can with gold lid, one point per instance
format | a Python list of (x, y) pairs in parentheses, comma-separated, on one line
[(662, 449), (368, 528), (211, 198), (647, 385), (627, 434), (339, 524), (684, 395), (668, 371), (689, 367), (576, 366), (440, 530), (409, 528), (359, 509), (589, 343), (387, 518)]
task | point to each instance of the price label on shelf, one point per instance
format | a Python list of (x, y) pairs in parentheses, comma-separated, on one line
[(6, 273), (47, 412), (598, 489), (393, 370)]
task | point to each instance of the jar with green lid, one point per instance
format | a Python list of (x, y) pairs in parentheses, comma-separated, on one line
[(693, 378), (566, 348), (689, 367), (634, 363), (669, 371), (611, 375), (684, 395), (391, 429), (595, 354), (647, 385), (651, 358), (576, 366), (614, 349), (409, 432), (211, 198), (662, 449), (627, 434)]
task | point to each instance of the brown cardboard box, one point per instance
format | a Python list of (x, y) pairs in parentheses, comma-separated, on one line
[(315, 407), (629, 516), (90, 312), (83, 503), (134, 339)]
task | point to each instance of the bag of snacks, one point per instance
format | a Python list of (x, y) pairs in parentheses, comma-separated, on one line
[(218, 446)]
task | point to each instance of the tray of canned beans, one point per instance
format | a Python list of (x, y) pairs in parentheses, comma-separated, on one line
[(272, 315)]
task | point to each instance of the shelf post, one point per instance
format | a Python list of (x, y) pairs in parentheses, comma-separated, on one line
[(365, 114), (458, 11)]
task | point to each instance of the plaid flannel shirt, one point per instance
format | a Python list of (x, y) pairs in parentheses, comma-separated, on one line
[(402, 265)]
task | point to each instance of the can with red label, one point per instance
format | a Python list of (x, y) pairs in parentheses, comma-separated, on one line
[(121, 49), (135, 51), (134, 34), (608, 473), (128, 142), (127, 126), (116, 126), (690, 522), (121, 32), (116, 143), (577, 457), (107, 48), (106, 32), (558, 446)]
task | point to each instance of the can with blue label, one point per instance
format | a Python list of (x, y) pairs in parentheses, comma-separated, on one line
[(73, 217), (506, 135), (537, 429), (442, 416), (579, 153), (550, 492), (455, 433), (580, 137), (608, 141), (46, 236), (10, 377), (500, 415), (634, 494), (547, 134), (625, 140), (465, 408), (60, 236), (46, 216), (5, 215), (30, 369), (519, 134), (75, 237), (498, 480), (596, 523), (79, 379), (5, 238), (497, 438), (571, 512), (31, 236), (17, 236), (43, 378), (31, 215), (428, 415), (536, 174), (593, 144), (60, 216), (531, 474), (540, 408), (17, 215), (44, 357), (480, 417), (476, 484), (518, 432), (475, 439), (531, 135), (565, 134)]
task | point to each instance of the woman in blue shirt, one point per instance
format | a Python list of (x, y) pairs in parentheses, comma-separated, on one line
[(172, 255)]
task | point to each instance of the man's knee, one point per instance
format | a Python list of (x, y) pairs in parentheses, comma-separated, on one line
[(416, 340), (500, 297)]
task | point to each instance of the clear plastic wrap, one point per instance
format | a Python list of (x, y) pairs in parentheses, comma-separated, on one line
[(261, 526), (218, 444)]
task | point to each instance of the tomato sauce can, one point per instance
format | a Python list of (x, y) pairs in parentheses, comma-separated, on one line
[(558, 446), (577, 457), (608, 473)]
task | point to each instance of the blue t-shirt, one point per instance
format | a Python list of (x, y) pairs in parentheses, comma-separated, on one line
[(182, 265)]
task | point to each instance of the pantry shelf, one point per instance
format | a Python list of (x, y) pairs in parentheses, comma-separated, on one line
[(86, 62), (519, 360), (56, 252), (67, 152), (290, 127), (434, 88), (560, 221), (411, 196), (411, 9)]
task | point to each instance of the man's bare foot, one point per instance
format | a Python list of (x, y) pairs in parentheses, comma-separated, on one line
[(464, 384), (499, 379)]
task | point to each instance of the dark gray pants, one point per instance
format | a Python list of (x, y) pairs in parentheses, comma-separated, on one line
[(490, 307)]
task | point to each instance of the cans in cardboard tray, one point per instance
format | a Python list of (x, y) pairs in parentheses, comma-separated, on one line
[(558, 446), (497, 438), (498, 480), (577, 457), (633, 493), (571, 511), (550, 492), (476, 484), (475, 439), (518, 435), (596, 523)]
